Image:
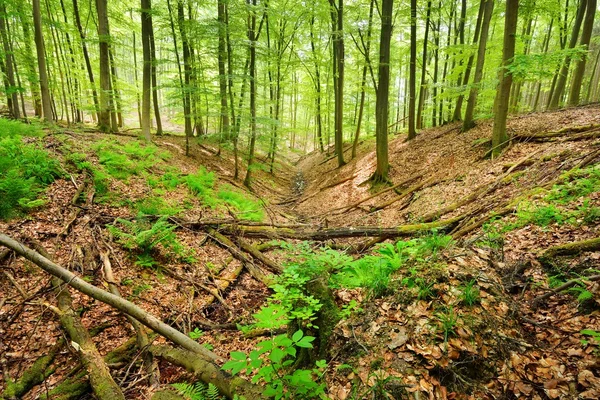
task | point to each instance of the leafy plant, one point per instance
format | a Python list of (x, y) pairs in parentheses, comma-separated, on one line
[(196, 334), (198, 391), (25, 170), (201, 184), (245, 207), (156, 206), (448, 320), (470, 293), (271, 364), (594, 337)]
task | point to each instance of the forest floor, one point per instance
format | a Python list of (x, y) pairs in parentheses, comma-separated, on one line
[(479, 315)]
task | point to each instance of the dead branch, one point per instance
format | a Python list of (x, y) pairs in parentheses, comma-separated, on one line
[(570, 249), (356, 204), (150, 365), (237, 253), (567, 134), (419, 186), (252, 250), (536, 302), (119, 303), (334, 184), (208, 372)]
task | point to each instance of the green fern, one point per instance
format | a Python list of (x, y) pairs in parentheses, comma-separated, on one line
[(198, 391)]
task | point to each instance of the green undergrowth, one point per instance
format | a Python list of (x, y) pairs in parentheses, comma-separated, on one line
[(411, 267), (150, 241), (568, 202), (25, 168)]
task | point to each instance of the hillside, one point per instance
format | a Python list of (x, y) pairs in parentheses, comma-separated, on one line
[(447, 283)]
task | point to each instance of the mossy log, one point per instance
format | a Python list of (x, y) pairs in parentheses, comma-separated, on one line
[(208, 372), (103, 385), (33, 376), (77, 385), (570, 249)]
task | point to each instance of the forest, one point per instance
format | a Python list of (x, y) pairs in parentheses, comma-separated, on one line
[(366, 199)]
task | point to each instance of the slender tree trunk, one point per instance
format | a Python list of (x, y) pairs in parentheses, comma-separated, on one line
[(499, 136), (41, 57), (461, 37), (13, 92), (104, 121), (136, 77), (363, 81), (146, 8), (86, 56), (317, 87), (436, 64), (561, 82), (465, 82), (337, 21), (155, 102), (538, 85), (422, 87), (221, 54), (118, 110), (383, 91), (592, 78), (30, 59), (187, 67), (586, 34), (252, 70), (412, 133)]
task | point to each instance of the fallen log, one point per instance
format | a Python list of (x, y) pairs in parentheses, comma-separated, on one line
[(343, 232), (254, 252), (570, 249), (102, 382), (419, 186), (117, 302), (570, 134), (208, 372), (33, 376)]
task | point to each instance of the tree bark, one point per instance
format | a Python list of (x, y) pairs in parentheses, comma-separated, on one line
[(146, 8), (86, 56), (187, 67), (337, 24), (499, 136), (468, 122), (10, 64), (422, 87), (383, 90), (104, 121), (412, 133), (41, 57), (586, 34)]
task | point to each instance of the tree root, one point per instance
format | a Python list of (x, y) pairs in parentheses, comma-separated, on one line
[(536, 302)]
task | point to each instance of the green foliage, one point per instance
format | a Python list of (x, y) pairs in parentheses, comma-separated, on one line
[(132, 158), (470, 293), (145, 239), (156, 206), (271, 363), (448, 320), (594, 337), (25, 169), (196, 334), (245, 207), (201, 184), (198, 391)]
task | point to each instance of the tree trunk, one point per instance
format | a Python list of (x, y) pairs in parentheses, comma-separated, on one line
[(146, 9), (252, 71), (383, 90), (317, 88), (561, 82), (412, 133), (221, 54), (41, 57), (499, 136), (468, 122), (104, 122), (86, 56), (337, 24), (586, 34), (13, 92), (159, 130), (187, 67), (422, 87), (461, 37)]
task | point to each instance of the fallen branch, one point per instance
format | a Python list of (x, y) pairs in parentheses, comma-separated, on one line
[(237, 253), (536, 302), (117, 302), (419, 186), (208, 372), (396, 186), (334, 184), (576, 133)]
